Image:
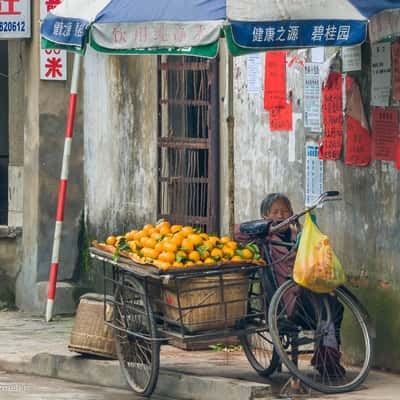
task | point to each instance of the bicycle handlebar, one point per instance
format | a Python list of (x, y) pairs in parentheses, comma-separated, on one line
[(322, 198)]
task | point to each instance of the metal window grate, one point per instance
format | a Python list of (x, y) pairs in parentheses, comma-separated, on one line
[(188, 142)]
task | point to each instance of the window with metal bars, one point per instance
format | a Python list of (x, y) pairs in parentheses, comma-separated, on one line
[(188, 140)]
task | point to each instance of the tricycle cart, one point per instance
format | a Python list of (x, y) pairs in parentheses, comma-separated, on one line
[(154, 307)]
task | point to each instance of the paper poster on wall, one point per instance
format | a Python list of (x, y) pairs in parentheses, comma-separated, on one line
[(254, 73), (396, 70), (280, 118), (385, 132), (292, 137), (312, 97), (332, 117), (380, 74), (317, 54), (358, 143), (351, 59), (275, 79), (314, 174)]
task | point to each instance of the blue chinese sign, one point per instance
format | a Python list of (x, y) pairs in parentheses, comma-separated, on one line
[(294, 33)]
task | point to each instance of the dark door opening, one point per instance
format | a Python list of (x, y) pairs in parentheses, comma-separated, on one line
[(4, 149), (188, 142)]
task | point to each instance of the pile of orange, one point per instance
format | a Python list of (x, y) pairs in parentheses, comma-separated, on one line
[(176, 246)]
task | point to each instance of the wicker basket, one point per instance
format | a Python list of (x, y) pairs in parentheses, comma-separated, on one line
[(89, 334), (203, 291)]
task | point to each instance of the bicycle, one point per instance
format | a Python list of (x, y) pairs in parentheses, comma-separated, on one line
[(300, 322)]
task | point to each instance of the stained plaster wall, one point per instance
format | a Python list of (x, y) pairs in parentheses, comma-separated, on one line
[(363, 226), (120, 102), (44, 115)]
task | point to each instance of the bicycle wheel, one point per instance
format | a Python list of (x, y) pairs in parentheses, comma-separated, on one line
[(302, 334), (139, 356), (257, 345)]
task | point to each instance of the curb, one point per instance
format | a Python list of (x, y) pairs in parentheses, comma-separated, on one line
[(107, 373)]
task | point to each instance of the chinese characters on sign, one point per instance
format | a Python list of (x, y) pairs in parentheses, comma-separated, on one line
[(332, 111), (15, 19), (53, 62), (358, 143), (380, 74), (275, 79), (254, 73), (280, 118), (351, 58), (290, 33), (314, 174), (396, 70), (312, 97), (385, 128)]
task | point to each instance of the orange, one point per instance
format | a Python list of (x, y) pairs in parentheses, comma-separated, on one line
[(228, 252), (163, 224), (247, 254), (176, 228), (204, 254), (204, 236), (143, 241), (134, 246), (164, 230), (167, 256), (156, 235), (170, 246), (236, 258), (138, 235), (181, 255), (111, 240), (197, 240), (150, 242), (187, 245), (225, 239), (209, 260), (232, 244), (149, 253), (177, 264), (213, 239), (162, 264), (209, 244), (189, 263), (187, 230), (177, 239), (217, 254), (194, 256), (130, 235), (147, 228), (159, 247)]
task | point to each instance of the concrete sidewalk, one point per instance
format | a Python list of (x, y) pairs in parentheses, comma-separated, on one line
[(29, 345)]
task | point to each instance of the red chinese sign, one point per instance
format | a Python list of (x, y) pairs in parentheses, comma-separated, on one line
[(7, 7), (332, 113), (280, 118), (275, 79), (385, 127), (396, 70), (358, 143)]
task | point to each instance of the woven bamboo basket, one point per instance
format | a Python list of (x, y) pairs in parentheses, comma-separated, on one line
[(204, 291), (90, 335)]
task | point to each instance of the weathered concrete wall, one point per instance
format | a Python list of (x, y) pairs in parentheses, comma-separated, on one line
[(363, 226), (45, 113), (120, 102)]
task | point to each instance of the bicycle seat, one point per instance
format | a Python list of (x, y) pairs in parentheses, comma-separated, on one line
[(257, 228)]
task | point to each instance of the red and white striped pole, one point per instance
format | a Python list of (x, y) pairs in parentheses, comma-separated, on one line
[(51, 294)]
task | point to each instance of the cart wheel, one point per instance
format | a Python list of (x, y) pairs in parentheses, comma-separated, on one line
[(260, 352), (139, 357)]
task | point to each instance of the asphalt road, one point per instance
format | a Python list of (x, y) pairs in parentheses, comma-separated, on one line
[(26, 387)]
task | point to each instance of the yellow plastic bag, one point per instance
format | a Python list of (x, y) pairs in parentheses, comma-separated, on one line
[(316, 266)]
